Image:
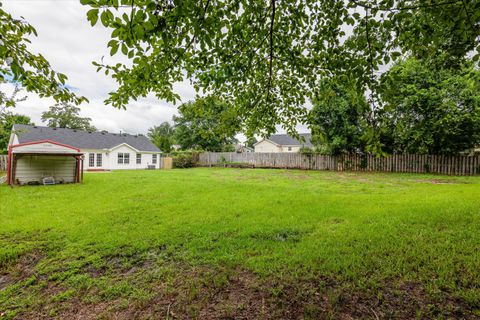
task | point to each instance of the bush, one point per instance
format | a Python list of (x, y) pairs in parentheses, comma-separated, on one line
[(318, 150), (183, 160), (306, 150)]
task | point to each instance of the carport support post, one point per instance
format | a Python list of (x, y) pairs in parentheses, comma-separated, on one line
[(81, 172), (78, 167), (77, 171), (9, 166)]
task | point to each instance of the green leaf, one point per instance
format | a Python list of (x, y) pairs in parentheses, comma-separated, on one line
[(395, 55), (114, 48), (105, 18), (115, 4), (124, 49), (92, 16)]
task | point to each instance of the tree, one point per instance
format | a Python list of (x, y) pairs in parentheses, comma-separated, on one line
[(7, 120), (268, 57), (431, 110), (162, 136), (250, 142), (21, 67), (64, 115), (338, 118), (207, 123)]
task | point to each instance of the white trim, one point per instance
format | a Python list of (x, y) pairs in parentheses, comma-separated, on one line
[(280, 145), (124, 144), (268, 141), (12, 138)]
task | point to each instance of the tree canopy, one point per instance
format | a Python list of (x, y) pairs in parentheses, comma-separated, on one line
[(162, 136), (207, 123), (339, 116), (430, 109), (19, 66), (7, 120), (268, 57), (65, 115)]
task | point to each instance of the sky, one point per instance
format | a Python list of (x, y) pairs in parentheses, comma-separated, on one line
[(70, 44)]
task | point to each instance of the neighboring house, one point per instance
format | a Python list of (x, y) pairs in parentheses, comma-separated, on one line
[(102, 150), (283, 143)]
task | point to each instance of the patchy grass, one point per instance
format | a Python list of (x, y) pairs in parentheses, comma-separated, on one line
[(240, 243)]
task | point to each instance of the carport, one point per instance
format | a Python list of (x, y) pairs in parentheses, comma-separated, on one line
[(44, 162)]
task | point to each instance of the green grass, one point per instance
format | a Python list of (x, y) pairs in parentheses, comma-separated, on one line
[(124, 241)]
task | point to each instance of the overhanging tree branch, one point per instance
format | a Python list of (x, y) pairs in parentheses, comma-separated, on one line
[(433, 5), (270, 67)]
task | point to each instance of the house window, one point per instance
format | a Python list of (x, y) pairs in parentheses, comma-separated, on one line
[(154, 158), (289, 148), (120, 158), (99, 159), (91, 159), (139, 158), (123, 158)]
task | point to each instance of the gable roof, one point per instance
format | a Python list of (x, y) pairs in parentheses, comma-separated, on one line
[(287, 140), (82, 139)]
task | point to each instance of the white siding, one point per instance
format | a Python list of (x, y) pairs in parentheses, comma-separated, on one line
[(292, 149), (13, 139), (267, 146), (95, 153), (147, 159), (34, 168), (110, 159)]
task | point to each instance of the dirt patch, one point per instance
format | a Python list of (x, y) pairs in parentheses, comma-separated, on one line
[(203, 293), (166, 289), (23, 269)]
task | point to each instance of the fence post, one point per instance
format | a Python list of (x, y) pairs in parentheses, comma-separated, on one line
[(3, 162)]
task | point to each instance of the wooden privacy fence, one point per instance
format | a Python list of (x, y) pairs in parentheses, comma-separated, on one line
[(3, 162), (166, 162), (414, 163)]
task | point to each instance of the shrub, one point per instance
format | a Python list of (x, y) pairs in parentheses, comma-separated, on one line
[(306, 150), (183, 160)]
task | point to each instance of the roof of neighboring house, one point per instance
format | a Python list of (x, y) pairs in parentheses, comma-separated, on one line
[(287, 140), (82, 139)]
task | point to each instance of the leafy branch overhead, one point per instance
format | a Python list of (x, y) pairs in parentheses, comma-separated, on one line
[(18, 65), (268, 57)]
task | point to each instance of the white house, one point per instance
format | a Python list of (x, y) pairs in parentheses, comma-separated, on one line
[(102, 150), (283, 143)]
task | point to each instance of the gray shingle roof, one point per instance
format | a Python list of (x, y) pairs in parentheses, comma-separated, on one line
[(287, 140), (82, 139)]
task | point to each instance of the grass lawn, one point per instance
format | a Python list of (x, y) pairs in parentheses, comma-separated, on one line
[(217, 243)]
